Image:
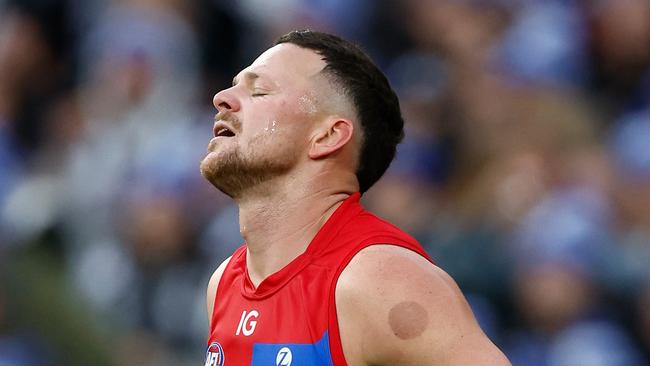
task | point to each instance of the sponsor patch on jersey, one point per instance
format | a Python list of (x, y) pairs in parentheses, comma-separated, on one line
[(284, 357), (288, 354), (214, 355)]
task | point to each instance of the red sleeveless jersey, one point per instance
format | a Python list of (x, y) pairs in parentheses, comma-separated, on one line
[(290, 318)]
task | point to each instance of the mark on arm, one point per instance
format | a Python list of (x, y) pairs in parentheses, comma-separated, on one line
[(408, 319)]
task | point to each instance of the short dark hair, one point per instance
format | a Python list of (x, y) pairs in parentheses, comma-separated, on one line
[(376, 103)]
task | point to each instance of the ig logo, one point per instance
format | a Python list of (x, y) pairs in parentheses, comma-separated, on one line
[(247, 323), (284, 357), (214, 355)]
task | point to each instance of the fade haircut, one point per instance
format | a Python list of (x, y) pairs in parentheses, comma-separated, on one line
[(375, 102)]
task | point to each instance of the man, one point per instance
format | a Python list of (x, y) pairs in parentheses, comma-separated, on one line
[(303, 131)]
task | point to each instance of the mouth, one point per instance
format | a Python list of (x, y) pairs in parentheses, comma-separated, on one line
[(221, 129)]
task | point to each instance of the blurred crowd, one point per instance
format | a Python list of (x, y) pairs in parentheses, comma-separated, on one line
[(525, 171)]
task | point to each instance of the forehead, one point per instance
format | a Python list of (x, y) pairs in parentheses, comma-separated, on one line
[(287, 63)]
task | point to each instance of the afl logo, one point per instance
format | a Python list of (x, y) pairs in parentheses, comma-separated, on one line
[(214, 355)]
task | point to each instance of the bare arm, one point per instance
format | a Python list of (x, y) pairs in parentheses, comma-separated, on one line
[(395, 307), (212, 288)]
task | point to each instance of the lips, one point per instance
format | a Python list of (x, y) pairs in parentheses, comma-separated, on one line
[(222, 129)]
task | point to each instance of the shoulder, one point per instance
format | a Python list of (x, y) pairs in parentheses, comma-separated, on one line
[(395, 306), (213, 284), (386, 266)]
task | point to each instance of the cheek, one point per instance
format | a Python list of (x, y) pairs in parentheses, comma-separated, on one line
[(271, 126), (279, 125), (282, 122)]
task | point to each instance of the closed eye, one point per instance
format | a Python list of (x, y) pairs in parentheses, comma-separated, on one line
[(259, 94)]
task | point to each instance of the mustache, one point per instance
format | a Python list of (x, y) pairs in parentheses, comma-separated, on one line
[(227, 116)]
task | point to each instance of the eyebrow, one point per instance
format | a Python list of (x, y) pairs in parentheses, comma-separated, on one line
[(248, 75)]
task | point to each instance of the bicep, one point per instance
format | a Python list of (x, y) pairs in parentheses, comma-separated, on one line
[(452, 337), (401, 309)]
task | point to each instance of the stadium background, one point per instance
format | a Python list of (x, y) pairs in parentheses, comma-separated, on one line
[(525, 171)]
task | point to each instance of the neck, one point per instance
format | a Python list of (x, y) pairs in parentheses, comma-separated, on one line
[(278, 226)]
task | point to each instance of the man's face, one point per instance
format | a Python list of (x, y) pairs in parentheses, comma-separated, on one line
[(264, 120)]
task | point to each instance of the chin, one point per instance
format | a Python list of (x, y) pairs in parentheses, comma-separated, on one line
[(211, 172), (223, 171), (209, 165), (203, 166), (234, 173)]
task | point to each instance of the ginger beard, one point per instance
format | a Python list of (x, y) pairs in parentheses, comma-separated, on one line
[(235, 170)]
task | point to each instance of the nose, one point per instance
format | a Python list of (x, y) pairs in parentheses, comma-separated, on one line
[(226, 101)]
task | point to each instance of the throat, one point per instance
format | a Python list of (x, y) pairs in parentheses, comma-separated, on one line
[(277, 234), (263, 259)]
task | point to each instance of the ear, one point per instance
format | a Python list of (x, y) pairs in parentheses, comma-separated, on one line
[(330, 137)]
